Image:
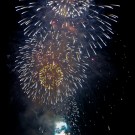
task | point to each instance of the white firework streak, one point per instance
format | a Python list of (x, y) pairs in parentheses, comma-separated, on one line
[(80, 20)]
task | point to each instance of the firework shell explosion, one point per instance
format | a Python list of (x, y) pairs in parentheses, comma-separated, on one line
[(69, 8), (49, 73), (82, 21)]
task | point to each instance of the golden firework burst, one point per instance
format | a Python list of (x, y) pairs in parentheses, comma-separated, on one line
[(51, 76)]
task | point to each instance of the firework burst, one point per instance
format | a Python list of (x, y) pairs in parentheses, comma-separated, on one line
[(82, 21), (69, 8), (94, 29), (49, 73)]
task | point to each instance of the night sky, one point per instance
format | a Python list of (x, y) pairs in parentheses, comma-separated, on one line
[(104, 103)]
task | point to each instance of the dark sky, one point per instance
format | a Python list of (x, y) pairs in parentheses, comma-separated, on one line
[(109, 112)]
